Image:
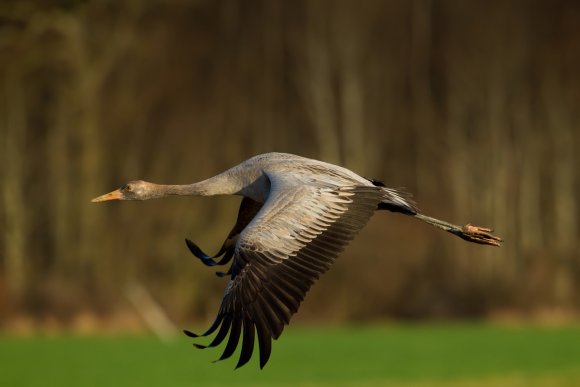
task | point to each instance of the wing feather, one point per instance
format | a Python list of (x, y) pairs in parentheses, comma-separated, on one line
[(221, 335), (248, 209), (247, 343), (234, 338), (264, 336), (293, 239)]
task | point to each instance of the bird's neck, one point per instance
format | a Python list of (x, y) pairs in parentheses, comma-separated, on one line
[(222, 184)]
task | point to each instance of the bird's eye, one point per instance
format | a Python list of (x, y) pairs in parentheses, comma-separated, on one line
[(128, 187)]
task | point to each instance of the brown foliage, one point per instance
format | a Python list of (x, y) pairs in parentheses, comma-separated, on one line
[(473, 106)]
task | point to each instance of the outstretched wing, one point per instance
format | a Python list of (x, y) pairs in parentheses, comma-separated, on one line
[(293, 239), (248, 209)]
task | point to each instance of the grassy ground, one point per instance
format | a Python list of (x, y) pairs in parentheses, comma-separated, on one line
[(461, 355)]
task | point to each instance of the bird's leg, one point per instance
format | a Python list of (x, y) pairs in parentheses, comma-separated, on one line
[(468, 232)]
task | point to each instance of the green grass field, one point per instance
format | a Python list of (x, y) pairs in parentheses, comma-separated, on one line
[(424, 355)]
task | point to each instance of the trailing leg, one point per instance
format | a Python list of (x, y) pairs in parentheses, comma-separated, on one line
[(470, 233)]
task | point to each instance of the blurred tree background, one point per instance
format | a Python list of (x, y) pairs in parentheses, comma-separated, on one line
[(471, 105)]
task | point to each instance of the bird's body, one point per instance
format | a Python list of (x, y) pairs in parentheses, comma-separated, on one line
[(296, 216)]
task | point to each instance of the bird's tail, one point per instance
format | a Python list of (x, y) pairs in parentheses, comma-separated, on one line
[(396, 199)]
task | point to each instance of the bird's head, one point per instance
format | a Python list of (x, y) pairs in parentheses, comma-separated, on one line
[(133, 190)]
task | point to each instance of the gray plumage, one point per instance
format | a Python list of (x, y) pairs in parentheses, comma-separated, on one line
[(296, 216)]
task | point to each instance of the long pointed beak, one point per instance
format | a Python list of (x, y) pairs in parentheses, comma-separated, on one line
[(115, 195)]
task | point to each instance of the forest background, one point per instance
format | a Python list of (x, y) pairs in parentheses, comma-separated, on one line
[(472, 106)]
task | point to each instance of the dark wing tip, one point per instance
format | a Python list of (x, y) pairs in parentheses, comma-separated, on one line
[(190, 333), (264, 361), (265, 345), (196, 250), (206, 259), (247, 343), (232, 344)]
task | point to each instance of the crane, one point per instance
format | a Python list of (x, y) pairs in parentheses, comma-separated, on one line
[(296, 215)]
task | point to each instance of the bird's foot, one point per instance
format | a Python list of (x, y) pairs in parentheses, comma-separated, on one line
[(480, 235)]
